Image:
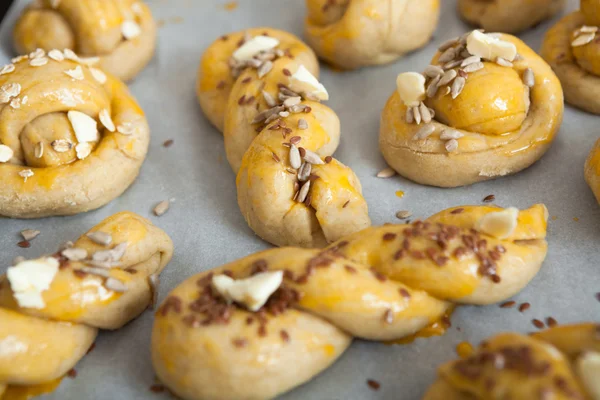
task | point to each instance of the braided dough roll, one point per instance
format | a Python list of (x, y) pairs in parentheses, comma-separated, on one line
[(558, 363), (592, 170), (72, 138), (510, 16), (572, 50), (95, 287), (483, 121), (304, 199), (383, 283), (120, 35), (356, 33)]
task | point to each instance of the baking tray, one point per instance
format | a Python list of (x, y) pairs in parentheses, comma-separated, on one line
[(208, 229)]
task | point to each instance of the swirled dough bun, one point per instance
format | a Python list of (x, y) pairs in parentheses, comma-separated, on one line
[(118, 36), (486, 107)]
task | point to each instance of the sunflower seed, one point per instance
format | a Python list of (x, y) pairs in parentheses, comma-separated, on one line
[(433, 71), (583, 39), (7, 69), (503, 62), (26, 173), (473, 67), (161, 208), (76, 73), (66, 245), (302, 124), (529, 78), (465, 54), (588, 29), (266, 114), (29, 234), (409, 116), (38, 62), (101, 238), (424, 132), (450, 133), (470, 60), (304, 172), (425, 115), (434, 85), (448, 55), (452, 64), (103, 272), (106, 120), (269, 99), (403, 214), (518, 57), (432, 112), (98, 75), (115, 285), (451, 145), (38, 53), (264, 69), (56, 55), (295, 160), (154, 283), (303, 192), (284, 114), (39, 150), (448, 77), (313, 158), (386, 173), (416, 115), (83, 150), (114, 254), (298, 108), (74, 253), (292, 101), (457, 86), (447, 44)]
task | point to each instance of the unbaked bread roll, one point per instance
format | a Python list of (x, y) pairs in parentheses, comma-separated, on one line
[(51, 308), (572, 49), (355, 33), (295, 310), (510, 16), (260, 88), (118, 36), (473, 114), (592, 170), (559, 363), (72, 138)]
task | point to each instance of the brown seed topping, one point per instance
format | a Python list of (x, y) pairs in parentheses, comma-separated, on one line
[(221, 85), (346, 204), (489, 198), (287, 72), (537, 323), (378, 275), (328, 159), (508, 304), (404, 293), (72, 373), (373, 384), (157, 388), (388, 316), (524, 307), (240, 342), (24, 244), (284, 335), (275, 157), (457, 211), (168, 143), (247, 80), (389, 236), (350, 269), (551, 322), (172, 303)]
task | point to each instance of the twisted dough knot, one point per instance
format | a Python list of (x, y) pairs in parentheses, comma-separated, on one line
[(290, 190), (592, 170), (96, 286), (72, 137), (355, 33), (121, 33), (480, 118), (559, 363), (510, 16), (383, 283), (572, 48)]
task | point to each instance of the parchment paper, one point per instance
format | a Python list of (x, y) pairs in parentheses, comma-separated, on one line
[(208, 230)]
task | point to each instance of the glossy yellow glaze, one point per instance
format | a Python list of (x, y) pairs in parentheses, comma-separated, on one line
[(436, 328), (43, 119), (521, 376), (592, 170), (591, 11), (588, 55), (39, 346), (494, 101)]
